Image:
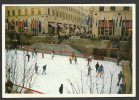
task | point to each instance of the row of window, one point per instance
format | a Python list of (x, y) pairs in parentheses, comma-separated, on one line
[(26, 12), (101, 8)]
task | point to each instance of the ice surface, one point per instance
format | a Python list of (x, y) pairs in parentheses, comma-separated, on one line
[(59, 71)]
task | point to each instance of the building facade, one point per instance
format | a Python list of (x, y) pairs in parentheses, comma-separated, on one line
[(111, 20), (44, 19)]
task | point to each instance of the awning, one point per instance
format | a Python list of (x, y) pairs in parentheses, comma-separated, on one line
[(128, 24), (60, 25), (71, 26), (67, 26), (34, 24), (53, 24), (18, 24), (104, 24)]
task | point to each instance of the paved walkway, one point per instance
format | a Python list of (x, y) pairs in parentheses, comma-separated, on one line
[(128, 79)]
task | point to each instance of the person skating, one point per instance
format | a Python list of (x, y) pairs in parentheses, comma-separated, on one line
[(97, 66), (120, 75), (15, 51), (42, 54), (52, 55), (99, 71), (61, 89), (32, 54), (89, 70), (70, 59), (118, 61), (121, 89), (44, 69), (28, 56), (75, 60), (88, 59), (36, 67), (102, 68)]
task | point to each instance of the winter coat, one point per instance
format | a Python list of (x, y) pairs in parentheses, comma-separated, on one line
[(118, 60), (42, 53), (70, 57), (44, 67), (52, 54), (89, 68), (61, 89), (120, 75), (97, 66), (75, 58), (100, 69)]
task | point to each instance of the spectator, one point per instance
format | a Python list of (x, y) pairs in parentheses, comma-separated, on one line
[(120, 75), (97, 66), (61, 89)]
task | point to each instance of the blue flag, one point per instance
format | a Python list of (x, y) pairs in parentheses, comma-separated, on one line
[(88, 20), (81, 21)]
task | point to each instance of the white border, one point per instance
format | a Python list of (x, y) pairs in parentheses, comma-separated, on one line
[(71, 95)]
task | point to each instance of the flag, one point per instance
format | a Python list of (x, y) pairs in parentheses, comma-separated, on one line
[(81, 21), (88, 20), (116, 21), (107, 20), (13, 20), (112, 22), (125, 21), (104, 21), (96, 20), (100, 21), (120, 21), (88, 12)]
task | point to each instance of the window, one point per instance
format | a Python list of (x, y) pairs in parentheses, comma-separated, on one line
[(8, 12), (126, 8), (69, 8), (91, 11), (57, 13), (26, 11), (60, 14), (39, 11), (66, 16), (13, 12), (112, 9), (48, 11), (69, 17), (53, 13), (66, 7), (19, 11), (63, 15), (101, 8), (32, 11)]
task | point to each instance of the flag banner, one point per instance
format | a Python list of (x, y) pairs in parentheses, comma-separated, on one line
[(88, 20), (120, 22), (112, 22), (107, 20), (81, 21), (116, 21), (125, 21), (104, 21)]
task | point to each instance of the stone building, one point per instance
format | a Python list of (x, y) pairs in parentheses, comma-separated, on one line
[(44, 19), (116, 17)]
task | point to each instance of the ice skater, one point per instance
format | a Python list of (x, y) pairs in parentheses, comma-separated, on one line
[(88, 59), (97, 66), (120, 75), (36, 67), (42, 54), (118, 61), (99, 72), (28, 56), (61, 89), (70, 59), (36, 53), (15, 52), (32, 54), (89, 70), (44, 69), (75, 60), (52, 55)]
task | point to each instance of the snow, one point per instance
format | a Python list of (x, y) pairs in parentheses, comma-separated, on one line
[(59, 71)]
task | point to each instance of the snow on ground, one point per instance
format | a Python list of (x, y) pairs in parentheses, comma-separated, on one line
[(59, 71)]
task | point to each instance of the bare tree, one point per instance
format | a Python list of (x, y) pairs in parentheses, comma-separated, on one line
[(21, 73)]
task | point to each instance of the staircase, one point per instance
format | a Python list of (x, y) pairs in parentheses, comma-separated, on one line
[(66, 42)]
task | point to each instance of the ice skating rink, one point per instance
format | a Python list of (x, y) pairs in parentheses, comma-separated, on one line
[(60, 71)]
